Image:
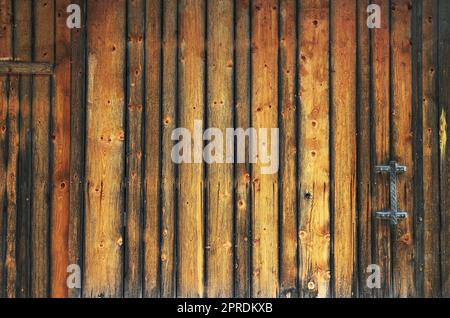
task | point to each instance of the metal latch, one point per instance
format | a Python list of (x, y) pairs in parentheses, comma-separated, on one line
[(394, 214)]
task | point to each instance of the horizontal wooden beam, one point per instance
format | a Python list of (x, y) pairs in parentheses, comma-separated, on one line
[(8, 67)]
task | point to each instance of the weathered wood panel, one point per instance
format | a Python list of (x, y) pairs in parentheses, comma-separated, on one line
[(105, 151), (314, 155)]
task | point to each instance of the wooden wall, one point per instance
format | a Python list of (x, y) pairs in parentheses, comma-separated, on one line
[(86, 175)]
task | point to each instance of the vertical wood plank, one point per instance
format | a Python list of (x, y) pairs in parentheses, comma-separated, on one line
[(430, 135), (220, 176), (265, 115), (105, 149), (381, 145), (364, 95), (191, 36), (60, 136), (444, 102), (314, 227), (168, 176), (288, 166), (77, 144), (41, 110), (242, 171), (23, 52), (152, 148), (343, 112), (5, 54), (402, 145), (134, 200)]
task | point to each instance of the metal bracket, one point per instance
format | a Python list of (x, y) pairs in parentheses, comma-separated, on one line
[(394, 214)]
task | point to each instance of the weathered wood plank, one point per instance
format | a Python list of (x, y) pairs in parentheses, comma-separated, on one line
[(343, 114), (18, 68), (77, 145), (152, 148), (381, 146), (242, 171), (430, 135), (168, 175), (60, 136), (40, 134), (444, 109), (288, 149), (314, 227), (134, 199), (105, 149), (265, 115), (5, 53), (23, 52), (219, 192), (191, 70), (364, 207), (402, 147)]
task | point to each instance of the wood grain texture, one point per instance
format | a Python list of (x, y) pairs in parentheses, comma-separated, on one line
[(105, 155), (364, 153), (18, 68), (152, 148), (219, 191), (77, 145), (430, 135), (264, 115), (60, 136), (5, 53), (168, 175), (23, 52), (191, 107), (343, 114), (444, 120), (402, 145), (380, 84), (288, 150), (314, 156), (134, 192), (40, 125), (242, 172)]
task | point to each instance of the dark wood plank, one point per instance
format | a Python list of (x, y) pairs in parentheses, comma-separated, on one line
[(314, 156), (105, 166), (134, 199), (288, 149), (40, 134), (18, 68)]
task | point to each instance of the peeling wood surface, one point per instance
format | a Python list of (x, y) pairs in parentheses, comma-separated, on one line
[(87, 177)]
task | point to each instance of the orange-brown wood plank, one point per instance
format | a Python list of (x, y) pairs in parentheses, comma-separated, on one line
[(40, 134), (152, 148), (23, 11), (191, 70), (105, 149), (168, 175), (430, 135), (343, 114), (77, 144), (265, 115), (364, 207), (60, 136), (381, 146), (5, 54), (219, 191), (402, 146), (444, 120), (242, 172), (288, 149), (314, 172), (134, 194)]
